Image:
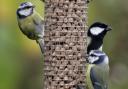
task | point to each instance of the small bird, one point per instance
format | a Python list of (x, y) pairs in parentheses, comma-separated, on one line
[(31, 23), (97, 70), (96, 34)]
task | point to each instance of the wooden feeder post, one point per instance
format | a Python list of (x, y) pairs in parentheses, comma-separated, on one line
[(66, 43)]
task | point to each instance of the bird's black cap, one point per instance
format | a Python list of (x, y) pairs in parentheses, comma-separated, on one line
[(99, 24)]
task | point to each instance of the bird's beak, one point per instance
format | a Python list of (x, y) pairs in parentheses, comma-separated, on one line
[(109, 28)]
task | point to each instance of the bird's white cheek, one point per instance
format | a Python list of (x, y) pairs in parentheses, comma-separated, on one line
[(91, 59), (25, 12), (96, 30)]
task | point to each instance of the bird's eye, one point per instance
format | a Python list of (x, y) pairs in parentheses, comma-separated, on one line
[(27, 7)]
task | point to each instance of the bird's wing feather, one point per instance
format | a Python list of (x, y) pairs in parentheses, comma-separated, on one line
[(99, 76), (37, 18), (39, 24)]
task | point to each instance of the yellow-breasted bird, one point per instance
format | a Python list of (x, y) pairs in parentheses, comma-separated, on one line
[(31, 23), (97, 70)]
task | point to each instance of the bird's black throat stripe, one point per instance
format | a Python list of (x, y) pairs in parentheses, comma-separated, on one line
[(94, 45)]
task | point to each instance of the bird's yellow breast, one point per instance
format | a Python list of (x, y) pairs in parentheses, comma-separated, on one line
[(27, 23), (101, 72), (88, 78)]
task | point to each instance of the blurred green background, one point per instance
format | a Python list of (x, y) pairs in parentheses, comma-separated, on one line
[(21, 60)]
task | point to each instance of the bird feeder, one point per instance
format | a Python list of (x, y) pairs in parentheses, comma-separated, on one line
[(65, 44)]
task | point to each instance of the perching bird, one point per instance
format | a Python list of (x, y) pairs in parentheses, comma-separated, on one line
[(97, 70), (31, 23), (96, 34)]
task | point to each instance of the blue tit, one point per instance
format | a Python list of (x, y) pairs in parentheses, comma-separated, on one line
[(97, 70), (96, 34), (30, 22)]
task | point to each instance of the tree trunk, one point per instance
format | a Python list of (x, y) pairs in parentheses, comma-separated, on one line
[(65, 42)]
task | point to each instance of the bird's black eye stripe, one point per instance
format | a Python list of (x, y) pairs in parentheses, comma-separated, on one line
[(93, 55), (27, 7)]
